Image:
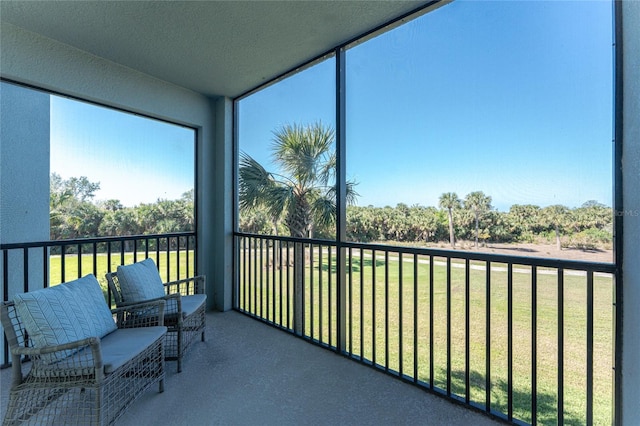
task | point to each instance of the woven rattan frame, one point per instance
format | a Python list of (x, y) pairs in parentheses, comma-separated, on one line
[(182, 330), (76, 390)]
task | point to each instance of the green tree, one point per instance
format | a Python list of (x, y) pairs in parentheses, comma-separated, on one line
[(71, 212), (450, 201), (556, 217), (479, 204), (524, 221), (303, 191)]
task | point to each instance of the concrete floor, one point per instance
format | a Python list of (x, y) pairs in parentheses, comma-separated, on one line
[(247, 373)]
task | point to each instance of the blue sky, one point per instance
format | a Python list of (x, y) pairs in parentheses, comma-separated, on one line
[(510, 98), (135, 159)]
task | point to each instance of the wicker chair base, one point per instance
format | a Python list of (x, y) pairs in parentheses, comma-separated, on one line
[(178, 340), (82, 400)]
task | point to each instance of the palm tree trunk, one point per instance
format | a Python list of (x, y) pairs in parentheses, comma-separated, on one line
[(476, 230), (558, 242), (452, 238)]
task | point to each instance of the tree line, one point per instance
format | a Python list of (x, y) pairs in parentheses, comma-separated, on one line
[(300, 200), (588, 226), (73, 213)]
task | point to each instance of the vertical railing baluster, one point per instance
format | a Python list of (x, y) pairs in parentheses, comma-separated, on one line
[(510, 341), (534, 345), (268, 283), (109, 256), (330, 282), (249, 274), (288, 287), (320, 298), (245, 272), (178, 259), (79, 249), (273, 281), (168, 259), (590, 347), (361, 304), (400, 309), (560, 411), (415, 318), (373, 305), (187, 256), (386, 310), (63, 262), (448, 325), (350, 271), (254, 287), (95, 259), (431, 267), (25, 270), (45, 267), (281, 279), (487, 404), (311, 292), (135, 252), (467, 330), (303, 264), (261, 266), (158, 251)]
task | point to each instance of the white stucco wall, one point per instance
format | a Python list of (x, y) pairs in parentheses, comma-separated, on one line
[(631, 214), (32, 59), (24, 181)]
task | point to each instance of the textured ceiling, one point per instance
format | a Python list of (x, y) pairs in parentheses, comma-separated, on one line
[(212, 47)]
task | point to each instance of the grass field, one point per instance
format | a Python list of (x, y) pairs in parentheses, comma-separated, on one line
[(390, 323), (73, 270)]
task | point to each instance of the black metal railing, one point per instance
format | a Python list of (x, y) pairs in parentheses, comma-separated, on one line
[(528, 340), (30, 266)]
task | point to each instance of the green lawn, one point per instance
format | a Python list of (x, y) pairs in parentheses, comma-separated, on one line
[(87, 266), (392, 303)]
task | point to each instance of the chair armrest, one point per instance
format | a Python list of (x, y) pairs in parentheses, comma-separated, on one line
[(64, 360), (145, 314), (187, 286)]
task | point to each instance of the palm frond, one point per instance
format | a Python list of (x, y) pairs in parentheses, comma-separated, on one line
[(323, 211)]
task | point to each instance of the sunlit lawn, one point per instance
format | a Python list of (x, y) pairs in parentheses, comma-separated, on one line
[(87, 265), (395, 302)]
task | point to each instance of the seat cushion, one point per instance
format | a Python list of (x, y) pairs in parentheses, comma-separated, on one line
[(124, 344), (190, 304), (140, 281), (65, 313)]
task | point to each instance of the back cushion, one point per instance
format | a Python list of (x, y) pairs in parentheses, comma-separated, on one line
[(140, 281), (65, 313)]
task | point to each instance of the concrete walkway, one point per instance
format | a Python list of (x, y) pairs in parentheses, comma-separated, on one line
[(248, 373)]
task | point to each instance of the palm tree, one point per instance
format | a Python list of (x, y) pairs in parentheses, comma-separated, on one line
[(304, 193), (450, 201), (556, 216), (478, 203)]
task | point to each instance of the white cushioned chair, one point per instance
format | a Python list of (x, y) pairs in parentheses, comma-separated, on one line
[(185, 302)]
